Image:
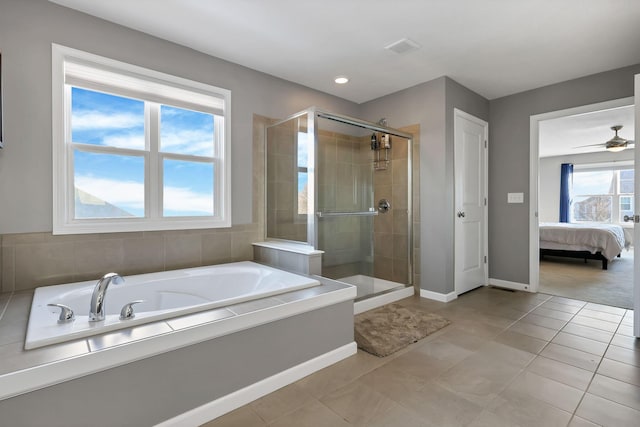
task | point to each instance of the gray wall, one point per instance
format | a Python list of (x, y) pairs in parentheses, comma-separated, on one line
[(431, 106), (549, 172), (149, 391), (509, 160), (27, 29)]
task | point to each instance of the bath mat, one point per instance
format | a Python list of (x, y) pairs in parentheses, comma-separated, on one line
[(387, 329)]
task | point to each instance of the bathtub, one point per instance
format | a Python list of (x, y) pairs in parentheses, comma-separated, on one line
[(166, 295)]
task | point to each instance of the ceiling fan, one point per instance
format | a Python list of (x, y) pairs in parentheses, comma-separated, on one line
[(615, 144)]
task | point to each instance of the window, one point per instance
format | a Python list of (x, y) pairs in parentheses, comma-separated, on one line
[(302, 189), (135, 149), (602, 195)]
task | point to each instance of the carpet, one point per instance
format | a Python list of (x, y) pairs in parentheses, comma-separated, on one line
[(387, 329), (572, 278)]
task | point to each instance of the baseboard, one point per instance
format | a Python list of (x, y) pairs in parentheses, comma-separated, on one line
[(510, 285), (380, 300), (438, 296), (228, 403)]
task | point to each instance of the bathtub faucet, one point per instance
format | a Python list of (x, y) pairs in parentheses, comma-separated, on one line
[(96, 310)]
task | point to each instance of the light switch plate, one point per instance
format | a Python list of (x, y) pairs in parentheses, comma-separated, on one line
[(515, 197)]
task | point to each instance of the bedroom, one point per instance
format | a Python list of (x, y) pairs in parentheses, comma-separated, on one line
[(586, 189)]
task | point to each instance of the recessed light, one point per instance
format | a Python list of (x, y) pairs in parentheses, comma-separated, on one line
[(341, 80)]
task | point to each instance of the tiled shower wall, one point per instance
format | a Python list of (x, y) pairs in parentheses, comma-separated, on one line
[(283, 221), (346, 238), (29, 260), (391, 237)]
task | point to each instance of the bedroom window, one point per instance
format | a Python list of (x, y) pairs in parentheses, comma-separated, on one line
[(135, 149), (603, 195)]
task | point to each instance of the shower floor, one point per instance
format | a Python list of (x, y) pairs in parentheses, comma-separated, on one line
[(368, 285)]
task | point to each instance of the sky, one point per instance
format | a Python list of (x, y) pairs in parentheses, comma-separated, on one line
[(107, 120)]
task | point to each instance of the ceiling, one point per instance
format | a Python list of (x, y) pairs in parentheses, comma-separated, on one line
[(568, 135), (493, 47)]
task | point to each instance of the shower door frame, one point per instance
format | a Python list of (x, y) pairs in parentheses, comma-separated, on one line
[(313, 114)]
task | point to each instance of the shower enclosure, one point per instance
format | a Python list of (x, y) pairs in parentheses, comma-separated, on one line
[(343, 186)]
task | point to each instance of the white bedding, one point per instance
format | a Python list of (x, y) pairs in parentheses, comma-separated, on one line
[(607, 239)]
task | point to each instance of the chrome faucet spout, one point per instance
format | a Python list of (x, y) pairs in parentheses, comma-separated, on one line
[(96, 309)]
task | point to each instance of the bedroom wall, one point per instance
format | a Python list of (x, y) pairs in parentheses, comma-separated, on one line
[(549, 170), (509, 159)]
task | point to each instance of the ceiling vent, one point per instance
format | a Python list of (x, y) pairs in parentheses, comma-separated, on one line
[(403, 46)]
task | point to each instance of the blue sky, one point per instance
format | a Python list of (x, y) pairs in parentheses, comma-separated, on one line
[(108, 120), (303, 159)]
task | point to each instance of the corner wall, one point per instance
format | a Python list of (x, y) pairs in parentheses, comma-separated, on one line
[(430, 105)]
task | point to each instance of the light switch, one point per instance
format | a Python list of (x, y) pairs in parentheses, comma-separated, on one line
[(515, 197)]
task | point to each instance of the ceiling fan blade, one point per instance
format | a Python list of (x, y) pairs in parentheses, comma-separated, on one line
[(590, 145)]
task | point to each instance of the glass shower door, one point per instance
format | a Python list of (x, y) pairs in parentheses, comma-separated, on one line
[(346, 211)]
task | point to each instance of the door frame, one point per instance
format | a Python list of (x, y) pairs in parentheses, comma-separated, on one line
[(534, 176), (636, 226), (457, 113)]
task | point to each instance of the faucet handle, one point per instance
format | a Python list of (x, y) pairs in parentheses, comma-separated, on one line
[(66, 314), (127, 310)]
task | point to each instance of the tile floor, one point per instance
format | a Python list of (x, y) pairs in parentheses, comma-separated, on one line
[(507, 359)]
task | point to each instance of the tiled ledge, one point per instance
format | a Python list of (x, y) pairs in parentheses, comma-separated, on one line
[(27, 370)]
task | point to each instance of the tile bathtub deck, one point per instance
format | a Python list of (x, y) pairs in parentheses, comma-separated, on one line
[(507, 359)]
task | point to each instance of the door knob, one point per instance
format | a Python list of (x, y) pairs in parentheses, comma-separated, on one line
[(460, 214), (631, 218)]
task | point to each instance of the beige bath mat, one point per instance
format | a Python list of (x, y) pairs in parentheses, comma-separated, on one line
[(387, 329)]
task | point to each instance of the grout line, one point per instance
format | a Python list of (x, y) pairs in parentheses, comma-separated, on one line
[(595, 372)]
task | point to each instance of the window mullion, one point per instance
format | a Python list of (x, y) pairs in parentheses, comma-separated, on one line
[(153, 186)]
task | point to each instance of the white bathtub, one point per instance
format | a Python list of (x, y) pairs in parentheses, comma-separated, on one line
[(166, 295)]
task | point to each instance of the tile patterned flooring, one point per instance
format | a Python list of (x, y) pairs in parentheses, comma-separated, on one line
[(507, 359)]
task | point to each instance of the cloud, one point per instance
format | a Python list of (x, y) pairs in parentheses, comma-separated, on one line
[(188, 141), (130, 195), (128, 140), (179, 199), (91, 119)]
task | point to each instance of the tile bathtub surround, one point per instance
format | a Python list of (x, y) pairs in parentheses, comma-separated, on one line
[(40, 259), (499, 363), (15, 308)]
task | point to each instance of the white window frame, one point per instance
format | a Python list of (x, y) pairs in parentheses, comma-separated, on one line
[(152, 87)]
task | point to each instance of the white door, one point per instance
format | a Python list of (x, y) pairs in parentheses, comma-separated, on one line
[(470, 215), (636, 228)]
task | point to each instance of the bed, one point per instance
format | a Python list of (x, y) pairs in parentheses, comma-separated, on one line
[(602, 242)]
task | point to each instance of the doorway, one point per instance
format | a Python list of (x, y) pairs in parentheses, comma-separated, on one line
[(600, 195)]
